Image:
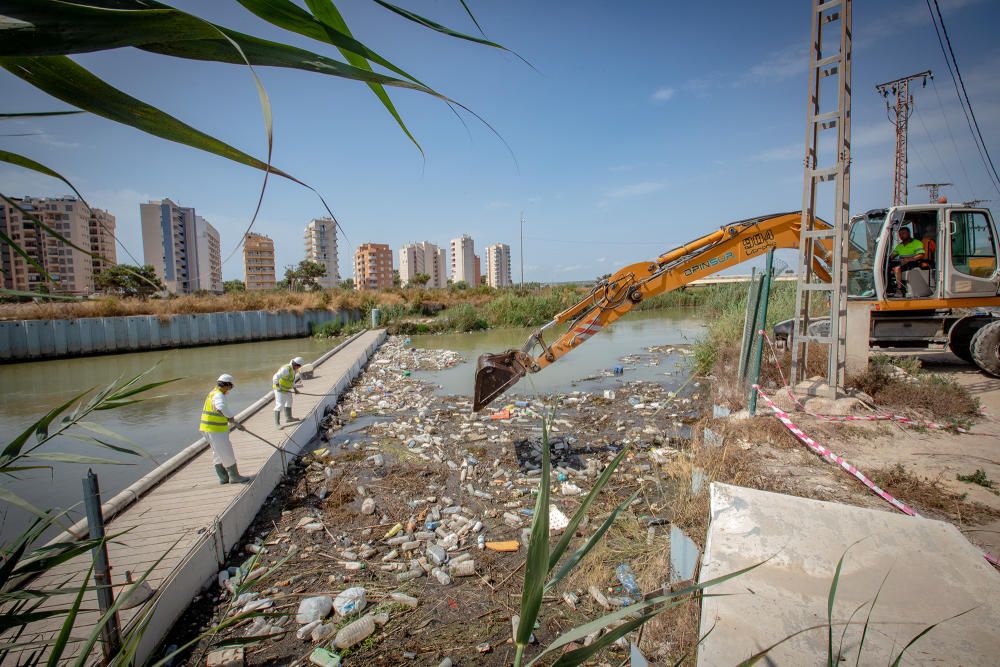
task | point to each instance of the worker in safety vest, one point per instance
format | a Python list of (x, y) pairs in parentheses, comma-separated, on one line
[(216, 418), (283, 384)]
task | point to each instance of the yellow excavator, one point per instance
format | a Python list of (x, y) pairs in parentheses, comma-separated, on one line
[(958, 274)]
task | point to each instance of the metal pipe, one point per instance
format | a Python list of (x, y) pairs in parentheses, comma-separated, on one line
[(111, 634)]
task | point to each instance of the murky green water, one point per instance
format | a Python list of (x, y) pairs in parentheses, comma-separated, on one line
[(577, 370), (163, 426)]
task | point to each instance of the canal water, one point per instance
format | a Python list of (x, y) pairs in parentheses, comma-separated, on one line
[(164, 425)]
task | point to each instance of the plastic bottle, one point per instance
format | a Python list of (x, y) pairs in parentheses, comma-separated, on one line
[(355, 633), (441, 576)]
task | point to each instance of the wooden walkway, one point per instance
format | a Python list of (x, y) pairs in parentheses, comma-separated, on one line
[(191, 520)]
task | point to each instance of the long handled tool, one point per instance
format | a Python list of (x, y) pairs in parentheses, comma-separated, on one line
[(271, 444)]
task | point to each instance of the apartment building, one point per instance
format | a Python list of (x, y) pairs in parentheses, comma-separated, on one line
[(258, 262), (498, 265), (463, 260), (182, 247), (102, 240), (426, 258), (373, 266), (321, 247), (71, 270), (478, 273)]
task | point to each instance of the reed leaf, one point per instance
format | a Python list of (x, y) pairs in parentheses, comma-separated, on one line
[(64, 79), (580, 655), (60, 457), (33, 114), (28, 163), (756, 657), (56, 651), (899, 658), (864, 632), (585, 548), (581, 512), (536, 565), (40, 428)]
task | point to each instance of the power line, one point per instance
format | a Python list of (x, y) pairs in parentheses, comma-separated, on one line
[(951, 135), (970, 117), (933, 144)]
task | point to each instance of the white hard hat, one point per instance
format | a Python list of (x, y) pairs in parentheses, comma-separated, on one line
[(226, 377), (299, 361)]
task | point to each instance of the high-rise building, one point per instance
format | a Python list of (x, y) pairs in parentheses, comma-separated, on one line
[(102, 240), (71, 270), (258, 262), (373, 266), (478, 273), (321, 247), (463, 260), (498, 265), (182, 247), (426, 258)]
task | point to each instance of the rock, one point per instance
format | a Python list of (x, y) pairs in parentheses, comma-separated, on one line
[(368, 506), (485, 647), (227, 657), (314, 609)]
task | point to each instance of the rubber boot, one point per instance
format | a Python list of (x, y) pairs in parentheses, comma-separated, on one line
[(288, 416), (220, 470), (235, 477), (277, 418)]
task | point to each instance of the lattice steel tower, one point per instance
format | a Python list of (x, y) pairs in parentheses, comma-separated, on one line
[(822, 269), (899, 114)]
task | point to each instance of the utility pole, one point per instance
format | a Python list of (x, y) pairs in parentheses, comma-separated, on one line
[(899, 113), (933, 190), (522, 250)]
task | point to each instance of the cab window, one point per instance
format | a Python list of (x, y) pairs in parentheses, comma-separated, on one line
[(973, 250)]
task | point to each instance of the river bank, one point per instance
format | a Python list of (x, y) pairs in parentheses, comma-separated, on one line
[(410, 478)]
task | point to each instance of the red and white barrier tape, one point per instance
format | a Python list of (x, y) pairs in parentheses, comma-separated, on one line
[(839, 460), (830, 456), (900, 419)]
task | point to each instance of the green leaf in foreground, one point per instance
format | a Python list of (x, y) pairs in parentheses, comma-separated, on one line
[(537, 563), (66, 80)]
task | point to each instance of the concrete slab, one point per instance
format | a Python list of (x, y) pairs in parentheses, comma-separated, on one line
[(933, 573)]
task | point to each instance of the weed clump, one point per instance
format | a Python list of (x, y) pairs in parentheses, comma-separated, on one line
[(901, 384)]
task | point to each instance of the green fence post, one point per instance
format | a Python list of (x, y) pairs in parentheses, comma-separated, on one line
[(765, 296)]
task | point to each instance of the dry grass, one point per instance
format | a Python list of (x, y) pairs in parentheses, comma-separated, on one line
[(930, 496), (906, 386)]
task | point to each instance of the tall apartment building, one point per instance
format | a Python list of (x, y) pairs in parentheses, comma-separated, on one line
[(463, 260), (182, 247), (478, 273), (258, 262), (373, 266), (498, 265), (321, 247), (102, 240), (71, 270), (427, 258)]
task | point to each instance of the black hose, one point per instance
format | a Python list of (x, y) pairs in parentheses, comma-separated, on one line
[(271, 444)]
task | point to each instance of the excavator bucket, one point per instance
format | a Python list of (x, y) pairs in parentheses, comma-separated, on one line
[(495, 374)]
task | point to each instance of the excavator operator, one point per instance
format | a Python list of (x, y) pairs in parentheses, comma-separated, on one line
[(907, 254)]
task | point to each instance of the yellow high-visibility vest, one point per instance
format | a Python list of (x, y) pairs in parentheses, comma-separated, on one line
[(213, 421), (286, 378)]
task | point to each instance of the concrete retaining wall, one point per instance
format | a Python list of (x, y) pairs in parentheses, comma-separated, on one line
[(28, 340)]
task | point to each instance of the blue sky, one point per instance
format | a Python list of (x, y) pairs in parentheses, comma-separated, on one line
[(645, 125)]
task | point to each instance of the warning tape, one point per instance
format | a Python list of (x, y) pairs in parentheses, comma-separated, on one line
[(839, 460), (830, 456), (853, 418)]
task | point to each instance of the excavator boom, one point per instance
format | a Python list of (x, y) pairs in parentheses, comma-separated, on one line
[(613, 297)]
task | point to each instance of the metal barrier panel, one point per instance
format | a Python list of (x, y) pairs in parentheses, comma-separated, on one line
[(59, 334)]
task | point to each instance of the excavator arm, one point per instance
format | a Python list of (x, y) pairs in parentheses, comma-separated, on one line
[(613, 297)]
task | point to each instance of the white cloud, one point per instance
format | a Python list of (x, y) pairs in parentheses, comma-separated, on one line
[(636, 189), (663, 94), (778, 65)]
